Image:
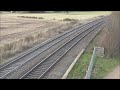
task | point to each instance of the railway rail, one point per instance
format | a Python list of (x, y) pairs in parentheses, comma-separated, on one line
[(63, 43)]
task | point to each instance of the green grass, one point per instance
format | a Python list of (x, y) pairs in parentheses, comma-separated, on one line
[(79, 70), (103, 66)]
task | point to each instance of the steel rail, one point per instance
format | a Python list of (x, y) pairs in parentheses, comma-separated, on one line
[(35, 55), (52, 54), (9, 72), (42, 44), (59, 58)]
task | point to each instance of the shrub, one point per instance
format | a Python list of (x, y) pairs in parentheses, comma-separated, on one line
[(68, 19), (40, 18)]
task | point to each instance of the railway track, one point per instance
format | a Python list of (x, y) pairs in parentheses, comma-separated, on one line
[(46, 64), (72, 37)]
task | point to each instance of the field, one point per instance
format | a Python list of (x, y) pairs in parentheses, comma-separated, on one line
[(20, 31), (63, 15)]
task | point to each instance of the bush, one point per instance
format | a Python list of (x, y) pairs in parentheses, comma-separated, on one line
[(67, 19), (40, 18), (31, 17)]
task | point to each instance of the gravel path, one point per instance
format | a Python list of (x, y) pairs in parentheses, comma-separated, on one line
[(115, 74)]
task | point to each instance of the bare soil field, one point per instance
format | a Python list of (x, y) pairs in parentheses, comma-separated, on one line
[(18, 32)]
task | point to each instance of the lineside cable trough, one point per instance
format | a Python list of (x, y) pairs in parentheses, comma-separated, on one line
[(98, 51)]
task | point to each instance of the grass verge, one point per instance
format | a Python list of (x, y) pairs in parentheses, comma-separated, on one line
[(102, 66), (79, 69)]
